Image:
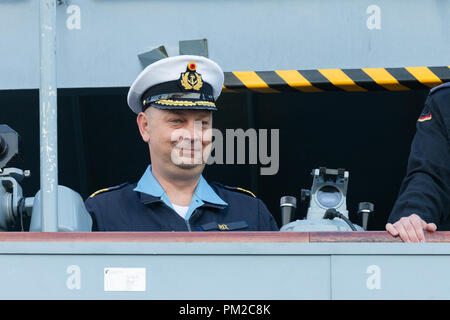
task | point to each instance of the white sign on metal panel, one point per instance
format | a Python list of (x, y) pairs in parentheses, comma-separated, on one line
[(124, 279)]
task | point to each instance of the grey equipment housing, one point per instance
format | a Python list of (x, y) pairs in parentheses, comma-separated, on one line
[(329, 191), (72, 214), (13, 206), (9, 145)]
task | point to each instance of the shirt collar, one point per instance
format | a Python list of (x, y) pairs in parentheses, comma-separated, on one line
[(149, 185), (207, 194), (152, 191)]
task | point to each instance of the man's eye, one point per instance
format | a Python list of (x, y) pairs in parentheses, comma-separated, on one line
[(175, 121)]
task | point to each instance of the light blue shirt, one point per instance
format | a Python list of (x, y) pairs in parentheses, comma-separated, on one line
[(203, 192)]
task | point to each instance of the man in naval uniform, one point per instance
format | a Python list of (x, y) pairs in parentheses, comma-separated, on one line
[(424, 198), (174, 99)]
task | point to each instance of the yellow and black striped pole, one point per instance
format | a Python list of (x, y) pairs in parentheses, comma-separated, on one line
[(319, 80)]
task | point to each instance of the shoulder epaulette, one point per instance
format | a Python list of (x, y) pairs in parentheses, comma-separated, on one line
[(107, 189), (441, 86), (241, 190)]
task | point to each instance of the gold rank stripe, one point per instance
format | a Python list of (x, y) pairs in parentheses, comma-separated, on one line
[(97, 192), (352, 80), (246, 191)]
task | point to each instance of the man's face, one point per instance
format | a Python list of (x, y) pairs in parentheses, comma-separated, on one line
[(179, 140)]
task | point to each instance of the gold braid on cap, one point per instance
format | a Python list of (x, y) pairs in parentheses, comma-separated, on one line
[(186, 103)]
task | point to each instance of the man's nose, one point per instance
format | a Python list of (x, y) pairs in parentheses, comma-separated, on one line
[(195, 129)]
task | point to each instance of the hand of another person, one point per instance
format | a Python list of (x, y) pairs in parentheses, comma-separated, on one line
[(410, 229)]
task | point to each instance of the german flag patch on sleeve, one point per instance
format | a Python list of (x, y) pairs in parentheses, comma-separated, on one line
[(425, 117)]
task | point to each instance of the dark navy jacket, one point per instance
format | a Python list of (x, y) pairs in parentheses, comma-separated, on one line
[(121, 208), (426, 187)]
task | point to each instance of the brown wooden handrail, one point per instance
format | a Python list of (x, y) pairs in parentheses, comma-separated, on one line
[(369, 236)]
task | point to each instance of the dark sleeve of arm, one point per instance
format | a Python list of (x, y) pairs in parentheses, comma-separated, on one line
[(266, 220), (425, 190), (91, 208)]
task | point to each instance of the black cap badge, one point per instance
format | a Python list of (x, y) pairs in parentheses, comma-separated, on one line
[(191, 80)]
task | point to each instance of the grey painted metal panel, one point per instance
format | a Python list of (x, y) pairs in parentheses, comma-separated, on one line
[(19, 44), (390, 277), (167, 277), (45, 270), (242, 35), (222, 248)]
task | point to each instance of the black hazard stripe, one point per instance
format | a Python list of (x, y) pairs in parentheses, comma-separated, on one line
[(319, 80), (275, 82), (233, 84), (442, 73), (406, 78), (363, 80)]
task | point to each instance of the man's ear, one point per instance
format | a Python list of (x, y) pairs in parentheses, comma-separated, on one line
[(143, 123)]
